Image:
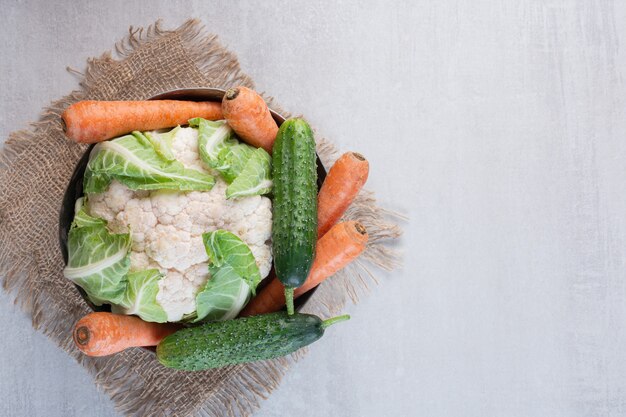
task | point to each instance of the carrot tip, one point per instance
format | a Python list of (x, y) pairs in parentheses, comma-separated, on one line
[(232, 93), (358, 156), (360, 228), (82, 335)]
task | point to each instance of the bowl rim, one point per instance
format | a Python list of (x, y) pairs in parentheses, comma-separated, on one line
[(73, 189), (201, 92)]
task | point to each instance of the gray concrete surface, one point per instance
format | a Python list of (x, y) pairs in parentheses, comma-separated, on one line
[(498, 126)]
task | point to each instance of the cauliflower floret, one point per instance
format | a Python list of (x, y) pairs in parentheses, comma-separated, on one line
[(167, 226), (185, 148), (140, 261), (138, 218), (173, 248), (108, 204), (259, 229), (207, 209), (263, 257), (166, 204), (177, 292)]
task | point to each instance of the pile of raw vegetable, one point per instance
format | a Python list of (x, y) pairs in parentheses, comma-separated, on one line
[(185, 206)]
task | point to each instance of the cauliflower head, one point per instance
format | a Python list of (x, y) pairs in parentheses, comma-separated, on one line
[(166, 228)]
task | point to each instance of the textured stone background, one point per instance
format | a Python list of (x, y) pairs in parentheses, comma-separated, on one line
[(498, 126)]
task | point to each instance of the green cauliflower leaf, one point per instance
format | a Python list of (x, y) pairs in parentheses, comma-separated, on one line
[(140, 296), (98, 260), (234, 277), (135, 162)]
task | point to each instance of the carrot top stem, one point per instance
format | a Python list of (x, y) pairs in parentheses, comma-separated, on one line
[(82, 335), (289, 299), (232, 93), (338, 319)]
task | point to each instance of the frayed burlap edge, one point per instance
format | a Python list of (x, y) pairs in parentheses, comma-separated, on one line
[(236, 390)]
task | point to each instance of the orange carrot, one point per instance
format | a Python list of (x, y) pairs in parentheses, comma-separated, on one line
[(102, 334), (248, 115), (336, 249), (95, 121), (343, 182)]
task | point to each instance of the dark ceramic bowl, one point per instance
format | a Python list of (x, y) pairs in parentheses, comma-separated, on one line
[(75, 187)]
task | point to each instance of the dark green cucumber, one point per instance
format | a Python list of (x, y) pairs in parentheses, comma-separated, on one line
[(247, 339), (294, 227)]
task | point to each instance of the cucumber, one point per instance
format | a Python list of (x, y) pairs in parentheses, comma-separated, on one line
[(247, 339), (294, 224)]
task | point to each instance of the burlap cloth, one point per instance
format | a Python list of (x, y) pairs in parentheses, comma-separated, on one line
[(35, 166)]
